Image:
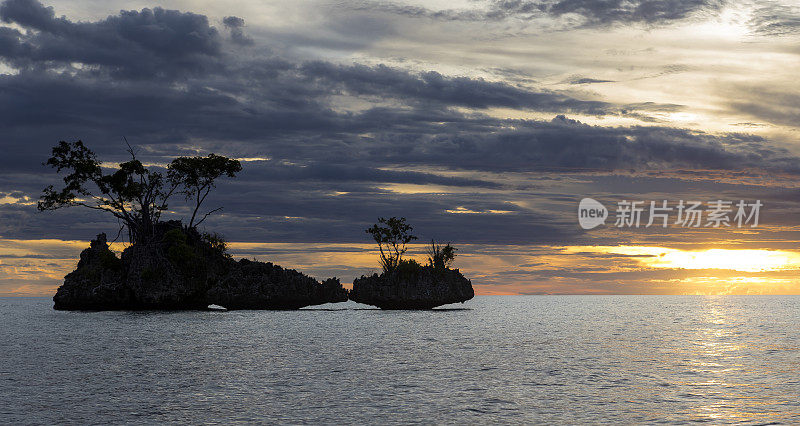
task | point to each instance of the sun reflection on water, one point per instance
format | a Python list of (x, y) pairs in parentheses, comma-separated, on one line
[(723, 369)]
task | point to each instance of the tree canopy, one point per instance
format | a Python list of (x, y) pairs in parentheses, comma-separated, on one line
[(441, 257), (196, 177), (136, 195), (392, 235)]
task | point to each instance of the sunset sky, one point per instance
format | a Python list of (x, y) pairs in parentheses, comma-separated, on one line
[(484, 123)]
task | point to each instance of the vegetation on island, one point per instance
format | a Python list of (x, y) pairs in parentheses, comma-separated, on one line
[(405, 283), (170, 264), (394, 234), (441, 257), (133, 193)]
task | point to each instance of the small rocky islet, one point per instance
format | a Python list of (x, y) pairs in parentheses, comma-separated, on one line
[(180, 269), (423, 287)]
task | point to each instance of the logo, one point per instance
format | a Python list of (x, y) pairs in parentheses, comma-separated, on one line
[(686, 214), (591, 213)]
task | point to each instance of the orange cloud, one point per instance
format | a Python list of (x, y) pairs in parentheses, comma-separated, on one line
[(37, 267)]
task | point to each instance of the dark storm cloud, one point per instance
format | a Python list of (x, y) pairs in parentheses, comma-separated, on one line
[(164, 43), (141, 44), (307, 130), (171, 84), (299, 213), (311, 211), (433, 86), (358, 173), (233, 22), (235, 25), (567, 145)]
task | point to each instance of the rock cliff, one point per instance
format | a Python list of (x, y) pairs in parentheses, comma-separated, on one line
[(180, 269), (412, 287)]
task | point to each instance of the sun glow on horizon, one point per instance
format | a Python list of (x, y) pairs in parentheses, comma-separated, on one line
[(37, 267), (742, 260)]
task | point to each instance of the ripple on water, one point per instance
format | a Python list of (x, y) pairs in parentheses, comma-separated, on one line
[(496, 359)]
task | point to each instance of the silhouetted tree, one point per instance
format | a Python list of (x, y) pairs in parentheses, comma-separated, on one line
[(133, 193), (441, 257), (392, 235), (196, 178)]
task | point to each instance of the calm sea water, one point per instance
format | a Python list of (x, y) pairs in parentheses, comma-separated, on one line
[(563, 359)]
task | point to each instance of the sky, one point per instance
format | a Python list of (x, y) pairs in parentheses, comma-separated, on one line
[(483, 122)]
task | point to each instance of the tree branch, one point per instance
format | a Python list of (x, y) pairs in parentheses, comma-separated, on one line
[(206, 215)]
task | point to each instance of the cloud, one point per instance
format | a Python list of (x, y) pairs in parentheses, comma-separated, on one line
[(134, 44), (773, 19), (590, 12), (567, 145), (773, 102), (432, 86), (321, 171), (235, 25), (586, 80), (613, 11), (346, 142), (233, 22)]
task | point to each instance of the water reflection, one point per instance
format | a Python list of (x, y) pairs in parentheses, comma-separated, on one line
[(537, 359), (730, 372)]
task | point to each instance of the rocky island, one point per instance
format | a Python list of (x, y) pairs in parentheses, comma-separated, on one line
[(169, 264), (422, 287), (406, 284), (181, 269)]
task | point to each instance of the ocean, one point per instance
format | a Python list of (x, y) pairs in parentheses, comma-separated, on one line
[(494, 359)]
